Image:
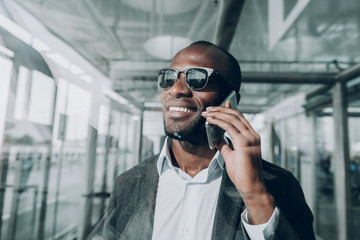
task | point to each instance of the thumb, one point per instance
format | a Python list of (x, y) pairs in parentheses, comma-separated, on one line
[(228, 104), (224, 149)]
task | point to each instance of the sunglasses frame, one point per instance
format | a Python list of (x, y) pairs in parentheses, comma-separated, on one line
[(210, 72)]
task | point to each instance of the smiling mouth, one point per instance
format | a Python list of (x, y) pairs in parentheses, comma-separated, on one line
[(180, 109)]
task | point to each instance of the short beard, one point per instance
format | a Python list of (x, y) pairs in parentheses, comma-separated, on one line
[(194, 133)]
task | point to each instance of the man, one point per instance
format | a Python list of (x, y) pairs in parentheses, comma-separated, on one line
[(189, 191)]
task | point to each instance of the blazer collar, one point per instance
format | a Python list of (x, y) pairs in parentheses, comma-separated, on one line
[(140, 223), (227, 222), (228, 212)]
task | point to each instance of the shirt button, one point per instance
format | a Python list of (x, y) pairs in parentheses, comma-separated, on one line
[(186, 230)]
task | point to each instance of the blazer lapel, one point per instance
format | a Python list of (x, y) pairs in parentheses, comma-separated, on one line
[(140, 225), (228, 212)]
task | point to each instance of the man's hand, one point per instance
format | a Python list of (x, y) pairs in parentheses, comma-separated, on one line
[(243, 160)]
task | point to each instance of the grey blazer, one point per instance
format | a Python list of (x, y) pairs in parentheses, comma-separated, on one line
[(131, 209)]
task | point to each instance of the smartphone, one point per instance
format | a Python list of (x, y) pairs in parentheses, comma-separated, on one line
[(214, 133)]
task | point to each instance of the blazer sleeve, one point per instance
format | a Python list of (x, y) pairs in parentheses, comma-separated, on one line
[(131, 208), (295, 219)]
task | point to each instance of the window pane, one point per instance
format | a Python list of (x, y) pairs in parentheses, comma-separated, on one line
[(5, 74), (41, 98)]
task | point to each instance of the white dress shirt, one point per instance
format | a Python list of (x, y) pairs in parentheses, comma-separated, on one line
[(185, 206)]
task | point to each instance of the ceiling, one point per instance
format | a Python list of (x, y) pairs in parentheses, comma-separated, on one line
[(283, 46)]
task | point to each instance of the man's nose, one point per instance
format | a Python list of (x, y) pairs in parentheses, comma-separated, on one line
[(180, 89)]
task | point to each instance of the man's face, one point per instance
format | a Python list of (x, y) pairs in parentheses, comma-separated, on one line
[(181, 106)]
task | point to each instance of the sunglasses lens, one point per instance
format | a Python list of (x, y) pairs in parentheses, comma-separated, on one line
[(167, 78), (196, 78)]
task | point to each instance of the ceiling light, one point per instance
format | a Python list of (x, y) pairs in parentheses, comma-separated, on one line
[(6, 51), (166, 46), (327, 110), (115, 96), (153, 104), (14, 29), (164, 6)]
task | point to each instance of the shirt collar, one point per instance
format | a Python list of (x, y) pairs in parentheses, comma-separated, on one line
[(164, 161)]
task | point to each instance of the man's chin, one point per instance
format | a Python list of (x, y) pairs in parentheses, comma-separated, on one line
[(184, 138), (188, 135), (190, 131), (175, 136)]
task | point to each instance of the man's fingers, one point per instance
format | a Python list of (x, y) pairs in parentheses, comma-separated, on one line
[(233, 116), (227, 117), (227, 126), (228, 104), (228, 122), (239, 139)]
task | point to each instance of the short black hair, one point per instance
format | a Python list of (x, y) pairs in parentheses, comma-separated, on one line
[(233, 67)]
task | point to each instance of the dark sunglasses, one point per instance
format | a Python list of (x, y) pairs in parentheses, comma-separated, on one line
[(196, 78)]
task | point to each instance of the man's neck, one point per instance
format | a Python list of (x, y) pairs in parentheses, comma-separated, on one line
[(191, 158)]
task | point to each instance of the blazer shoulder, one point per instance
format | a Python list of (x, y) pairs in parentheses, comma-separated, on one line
[(272, 171), (290, 199), (141, 170)]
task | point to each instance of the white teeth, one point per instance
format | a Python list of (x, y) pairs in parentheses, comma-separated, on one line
[(180, 109)]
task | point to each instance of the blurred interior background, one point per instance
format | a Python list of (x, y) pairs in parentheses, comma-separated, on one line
[(79, 101)]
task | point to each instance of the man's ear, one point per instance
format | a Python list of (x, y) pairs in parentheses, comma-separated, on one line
[(238, 96)]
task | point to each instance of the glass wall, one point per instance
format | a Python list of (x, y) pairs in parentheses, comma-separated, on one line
[(26, 145), (327, 221), (63, 142), (325, 178), (302, 137), (354, 178)]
